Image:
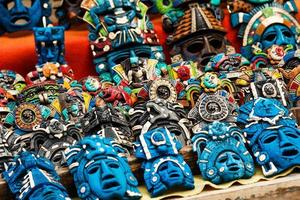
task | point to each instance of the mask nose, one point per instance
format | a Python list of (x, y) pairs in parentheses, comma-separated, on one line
[(207, 52), (280, 40), (231, 161), (284, 141), (50, 55), (133, 58), (106, 172)]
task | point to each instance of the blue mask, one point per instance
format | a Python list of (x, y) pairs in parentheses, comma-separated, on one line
[(164, 168), (49, 42), (100, 171), (272, 135), (268, 31), (19, 15), (277, 34), (32, 177), (222, 154)]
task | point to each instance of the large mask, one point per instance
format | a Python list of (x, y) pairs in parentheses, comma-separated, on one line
[(269, 31), (100, 171), (160, 113), (272, 135), (120, 31), (164, 168), (19, 15), (33, 177), (198, 35), (222, 154)]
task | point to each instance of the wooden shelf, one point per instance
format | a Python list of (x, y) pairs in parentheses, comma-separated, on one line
[(285, 188)]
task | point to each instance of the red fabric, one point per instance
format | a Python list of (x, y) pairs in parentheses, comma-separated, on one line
[(17, 50)]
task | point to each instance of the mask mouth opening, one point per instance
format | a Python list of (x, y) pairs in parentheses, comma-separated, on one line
[(290, 152), (20, 21), (110, 184), (234, 168), (174, 175)]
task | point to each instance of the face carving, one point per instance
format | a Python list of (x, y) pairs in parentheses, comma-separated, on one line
[(164, 168), (19, 15), (106, 176), (269, 32), (277, 34), (222, 154), (273, 135), (230, 163), (103, 172), (203, 47), (283, 143), (49, 42)]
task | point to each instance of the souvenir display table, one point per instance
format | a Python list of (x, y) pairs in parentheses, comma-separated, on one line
[(149, 99)]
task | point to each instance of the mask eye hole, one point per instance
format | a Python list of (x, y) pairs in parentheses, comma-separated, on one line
[(287, 34), (10, 5), (143, 55), (195, 48), (217, 44), (163, 167), (270, 37), (120, 59), (93, 170), (223, 159), (270, 139), (113, 165), (292, 135), (27, 3), (236, 157)]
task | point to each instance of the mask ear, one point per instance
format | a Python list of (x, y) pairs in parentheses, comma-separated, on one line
[(237, 134), (199, 142)]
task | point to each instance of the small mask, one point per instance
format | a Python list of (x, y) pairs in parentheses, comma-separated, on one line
[(272, 135), (222, 154), (33, 177), (100, 171), (20, 15), (49, 42), (164, 168), (210, 107)]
